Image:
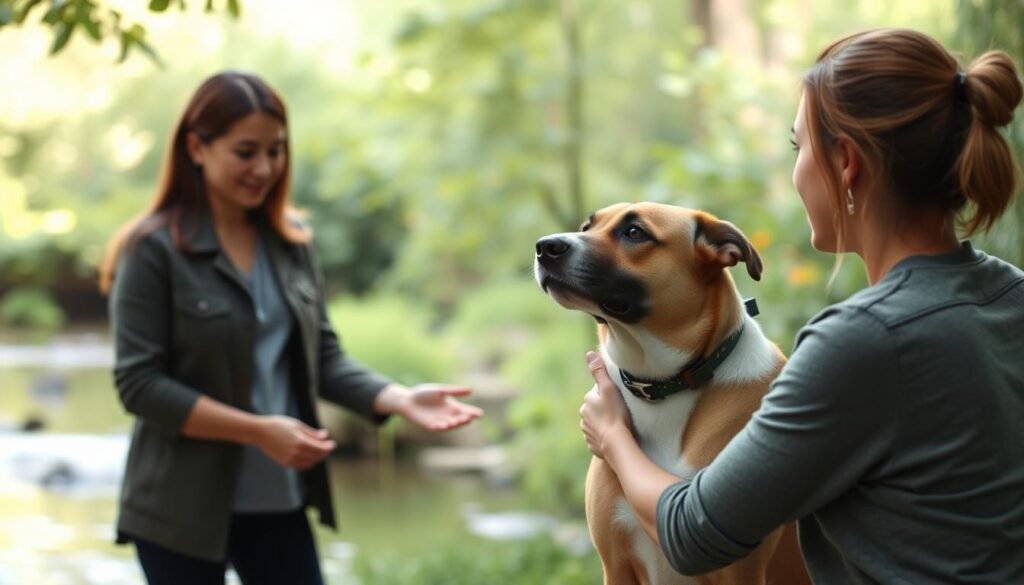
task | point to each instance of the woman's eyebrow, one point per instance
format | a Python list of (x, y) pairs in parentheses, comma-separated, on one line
[(256, 143)]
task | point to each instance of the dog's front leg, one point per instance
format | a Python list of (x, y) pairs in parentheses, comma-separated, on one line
[(612, 539)]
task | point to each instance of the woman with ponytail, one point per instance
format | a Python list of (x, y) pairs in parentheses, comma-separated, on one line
[(894, 434)]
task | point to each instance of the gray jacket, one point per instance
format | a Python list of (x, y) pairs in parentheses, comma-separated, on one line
[(894, 434), (183, 327)]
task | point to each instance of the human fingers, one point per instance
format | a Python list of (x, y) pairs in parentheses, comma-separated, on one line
[(454, 390), (308, 431), (439, 393), (317, 446), (591, 401), (470, 411), (450, 421), (310, 452), (588, 435), (598, 370)]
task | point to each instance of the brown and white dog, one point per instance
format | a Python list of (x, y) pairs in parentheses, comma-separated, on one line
[(692, 366)]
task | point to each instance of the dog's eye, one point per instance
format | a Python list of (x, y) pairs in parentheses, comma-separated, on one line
[(635, 233), (585, 226)]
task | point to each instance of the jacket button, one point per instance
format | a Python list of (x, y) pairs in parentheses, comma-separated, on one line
[(203, 306)]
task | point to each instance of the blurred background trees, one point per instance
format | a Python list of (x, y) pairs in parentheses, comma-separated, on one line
[(433, 142)]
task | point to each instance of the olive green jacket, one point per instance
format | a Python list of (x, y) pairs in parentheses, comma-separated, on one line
[(183, 325)]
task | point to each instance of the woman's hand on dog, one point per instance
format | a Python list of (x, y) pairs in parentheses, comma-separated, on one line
[(604, 417)]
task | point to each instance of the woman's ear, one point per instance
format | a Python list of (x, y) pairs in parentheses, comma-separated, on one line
[(195, 148), (848, 159)]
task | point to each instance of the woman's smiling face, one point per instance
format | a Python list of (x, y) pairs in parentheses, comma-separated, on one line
[(241, 166)]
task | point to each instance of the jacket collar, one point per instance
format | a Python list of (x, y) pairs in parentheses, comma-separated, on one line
[(199, 234), (201, 237), (964, 254)]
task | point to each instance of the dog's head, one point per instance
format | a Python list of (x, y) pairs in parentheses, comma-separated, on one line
[(645, 263)]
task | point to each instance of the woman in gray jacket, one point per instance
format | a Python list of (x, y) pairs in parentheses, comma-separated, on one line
[(223, 347)]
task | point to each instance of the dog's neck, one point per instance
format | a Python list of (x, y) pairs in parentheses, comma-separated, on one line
[(642, 354)]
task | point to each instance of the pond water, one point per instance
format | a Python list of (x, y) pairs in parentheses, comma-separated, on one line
[(58, 485)]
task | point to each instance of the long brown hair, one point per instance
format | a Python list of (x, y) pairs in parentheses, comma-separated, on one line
[(925, 125), (216, 105)]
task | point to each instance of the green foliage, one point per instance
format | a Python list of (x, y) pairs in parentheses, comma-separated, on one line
[(539, 561), (95, 20), (499, 319), (465, 130), (394, 337), (32, 307), (538, 347), (357, 214), (549, 449)]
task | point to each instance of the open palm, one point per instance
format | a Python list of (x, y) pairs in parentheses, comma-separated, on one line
[(435, 407)]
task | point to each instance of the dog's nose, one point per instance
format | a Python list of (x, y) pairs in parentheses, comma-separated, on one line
[(551, 248)]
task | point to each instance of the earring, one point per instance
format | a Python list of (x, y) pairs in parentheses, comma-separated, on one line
[(849, 201)]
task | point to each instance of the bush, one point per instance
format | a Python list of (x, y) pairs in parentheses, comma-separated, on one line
[(32, 307), (532, 344), (394, 337), (538, 561), (548, 447), (498, 320)]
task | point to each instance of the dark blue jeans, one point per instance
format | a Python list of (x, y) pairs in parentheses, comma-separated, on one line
[(265, 549)]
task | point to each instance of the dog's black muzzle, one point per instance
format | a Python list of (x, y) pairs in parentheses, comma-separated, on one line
[(552, 249), (566, 262)]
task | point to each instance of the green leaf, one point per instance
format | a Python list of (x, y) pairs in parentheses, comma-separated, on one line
[(22, 13), (126, 44), (54, 14), (159, 5), (85, 16), (92, 27), (209, 6), (135, 37), (150, 52), (62, 36), (234, 8), (6, 14)]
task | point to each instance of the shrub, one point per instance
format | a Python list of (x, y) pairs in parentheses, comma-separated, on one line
[(538, 561), (32, 307), (394, 337)]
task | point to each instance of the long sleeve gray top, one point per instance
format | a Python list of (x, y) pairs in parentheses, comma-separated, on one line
[(895, 435)]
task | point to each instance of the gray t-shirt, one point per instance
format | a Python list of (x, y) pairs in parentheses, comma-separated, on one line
[(895, 434), (264, 485)]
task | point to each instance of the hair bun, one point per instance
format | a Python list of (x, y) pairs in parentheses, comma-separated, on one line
[(993, 88)]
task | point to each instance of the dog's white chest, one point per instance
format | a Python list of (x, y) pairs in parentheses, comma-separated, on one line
[(659, 427)]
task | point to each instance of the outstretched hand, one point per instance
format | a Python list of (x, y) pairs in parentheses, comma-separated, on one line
[(432, 406), (604, 415)]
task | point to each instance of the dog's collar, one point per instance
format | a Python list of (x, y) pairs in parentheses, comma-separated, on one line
[(694, 375)]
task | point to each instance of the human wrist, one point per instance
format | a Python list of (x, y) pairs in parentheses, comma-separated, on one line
[(255, 429), (392, 399), (619, 442)]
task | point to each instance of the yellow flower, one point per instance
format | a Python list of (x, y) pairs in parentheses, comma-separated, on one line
[(803, 274), (761, 239)]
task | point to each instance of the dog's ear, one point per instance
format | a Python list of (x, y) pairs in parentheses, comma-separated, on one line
[(726, 245)]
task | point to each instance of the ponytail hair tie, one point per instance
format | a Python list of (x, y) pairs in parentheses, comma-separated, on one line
[(960, 83)]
